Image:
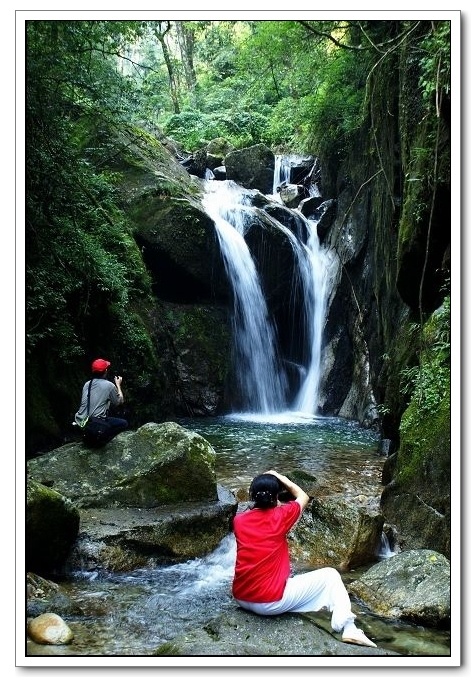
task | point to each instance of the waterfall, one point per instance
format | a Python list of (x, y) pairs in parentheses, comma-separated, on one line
[(259, 374), (261, 369), (282, 171), (316, 270)]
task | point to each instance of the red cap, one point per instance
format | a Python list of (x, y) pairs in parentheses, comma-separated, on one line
[(100, 365)]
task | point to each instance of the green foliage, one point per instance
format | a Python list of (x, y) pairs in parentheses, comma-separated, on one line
[(425, 427), (288, 125), (195, 129), (435, 63), (338, 102), (79, 248), (429, 382)]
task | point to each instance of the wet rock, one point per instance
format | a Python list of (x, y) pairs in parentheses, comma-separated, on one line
[(412, 586), (120, 539), (239, 633), (338, 533), (45, 596), (252, 167), (291, 194)]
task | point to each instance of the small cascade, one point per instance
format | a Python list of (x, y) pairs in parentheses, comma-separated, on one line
[(262, 372), (282, 173), (385, 550)]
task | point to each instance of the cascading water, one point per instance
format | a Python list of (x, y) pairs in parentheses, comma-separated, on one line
[(260, 376), (316, 269), (282, 173), (264, 387)]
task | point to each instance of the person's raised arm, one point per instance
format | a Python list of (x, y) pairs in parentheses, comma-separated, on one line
[(118, 383), (300, 495)]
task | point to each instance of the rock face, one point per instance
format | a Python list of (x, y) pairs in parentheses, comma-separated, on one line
[(175, 237), (238, 633), (412, 586), (158, 464)]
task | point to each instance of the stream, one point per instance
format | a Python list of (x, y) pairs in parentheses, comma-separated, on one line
[(131, 614)]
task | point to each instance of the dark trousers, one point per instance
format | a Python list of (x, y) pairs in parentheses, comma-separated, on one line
[(116, 425), (99, 431)]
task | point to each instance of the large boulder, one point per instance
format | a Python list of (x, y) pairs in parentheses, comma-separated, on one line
[(179, 244), (52, 524), (412, 586), (252, 167), (334, 532), (157, 464), (239, 633)]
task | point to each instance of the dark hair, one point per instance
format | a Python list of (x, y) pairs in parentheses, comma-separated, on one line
[(264, 490), (98, 375)]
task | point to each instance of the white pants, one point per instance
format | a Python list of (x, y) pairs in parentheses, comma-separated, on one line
[(311, 591)]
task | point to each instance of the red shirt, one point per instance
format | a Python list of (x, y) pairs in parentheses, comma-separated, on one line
[(262, 556)]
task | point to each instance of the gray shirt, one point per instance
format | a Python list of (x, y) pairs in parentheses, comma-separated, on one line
[(103, 393)]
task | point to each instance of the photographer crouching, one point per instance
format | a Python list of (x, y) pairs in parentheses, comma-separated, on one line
[(92, 417), (262, 581)]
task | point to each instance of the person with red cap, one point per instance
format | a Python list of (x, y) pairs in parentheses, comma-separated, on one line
[(98, 395)]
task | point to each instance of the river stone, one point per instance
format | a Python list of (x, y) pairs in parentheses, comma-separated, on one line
[(49, 628), (155, 465), (291, 194), (413, 586)]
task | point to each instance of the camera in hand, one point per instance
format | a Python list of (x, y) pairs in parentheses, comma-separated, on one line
[(285, 496)]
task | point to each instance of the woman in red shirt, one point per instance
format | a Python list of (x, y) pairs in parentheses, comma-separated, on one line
[(262, 582)]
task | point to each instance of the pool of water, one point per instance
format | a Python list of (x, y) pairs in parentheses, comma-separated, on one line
[(341, 456)]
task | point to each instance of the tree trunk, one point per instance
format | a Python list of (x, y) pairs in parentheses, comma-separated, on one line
[(160, 34), (186, 40)]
